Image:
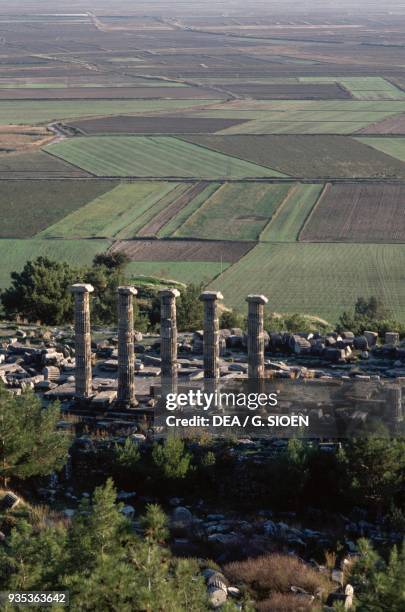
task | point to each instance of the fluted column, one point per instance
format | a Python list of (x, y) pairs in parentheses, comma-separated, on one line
[(211, 333), (126, 354), (256, 336), (83, 373), (168, 336)]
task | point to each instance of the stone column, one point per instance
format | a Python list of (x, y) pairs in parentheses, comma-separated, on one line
[(168, 337), (256, 336), (126, 354), (211, 333), (83, 373)]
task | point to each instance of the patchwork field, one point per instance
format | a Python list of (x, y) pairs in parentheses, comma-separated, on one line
[(181, 271), (290, 217), (392, 125), (360, 213), (15, 253), (362, 88), (290, 91), (303, 116), (318, 279), (131, 124), (45, 111), (118, 212), (152, 157), (306, 156), (27, 207), (182, 250), (390, 146), (185, 213), (107, 93), (186, 195), (36, 164), (235, 212)]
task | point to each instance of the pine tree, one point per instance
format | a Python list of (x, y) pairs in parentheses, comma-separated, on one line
[(172, 458), (30, 443)]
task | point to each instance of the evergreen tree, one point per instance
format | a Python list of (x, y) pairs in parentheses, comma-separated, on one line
[(172, 459), (30, 443), (41, 292), (190, 310)]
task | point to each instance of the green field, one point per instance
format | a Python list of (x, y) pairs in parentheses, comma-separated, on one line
[(362, 88), (303, 116), (391, 146), (317, 279), (36, 164), (292, 214), (235, 212), (15, 253), (44, 111), (27, 207), (142, 156), (182, 271), (177, 221), (303, 156), (117, 213)]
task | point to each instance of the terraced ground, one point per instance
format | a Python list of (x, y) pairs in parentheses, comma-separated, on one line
[(141, 156), (235, 212), (317, 279)]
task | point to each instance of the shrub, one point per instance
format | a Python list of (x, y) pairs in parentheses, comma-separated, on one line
[(276, 573), (280, 602)]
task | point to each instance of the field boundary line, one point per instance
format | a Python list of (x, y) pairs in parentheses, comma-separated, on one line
[(289, 193), (195, 212), (155, 204), (247, 161), (325, 189)]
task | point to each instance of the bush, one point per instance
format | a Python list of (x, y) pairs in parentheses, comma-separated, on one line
[(276, 573)]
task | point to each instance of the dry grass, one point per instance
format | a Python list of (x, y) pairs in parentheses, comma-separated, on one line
[(285, 603), (276, 573)]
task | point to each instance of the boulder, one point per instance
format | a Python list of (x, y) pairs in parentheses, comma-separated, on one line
[(181, 517)]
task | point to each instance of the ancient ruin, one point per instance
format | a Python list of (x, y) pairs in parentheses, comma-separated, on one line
[(211, 334), (256, 336), (126, 354), (84, 389)]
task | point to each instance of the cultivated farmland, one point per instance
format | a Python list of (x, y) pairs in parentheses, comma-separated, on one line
[(152, 157), (182, 250), (27, 207), (15, 253), (360, 213), (292, 214), (119, 212), (390, 146), (235, 212), (318, 279), (392, 125), (45, 111), (131, 124), (187, 194), (37, 164), (182, 271), (307, 156), (181, 217)]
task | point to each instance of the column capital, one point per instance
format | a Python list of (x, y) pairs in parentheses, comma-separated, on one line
[(257, 299), (81, 288), (207, 296), (170, 293), (127, 290)]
